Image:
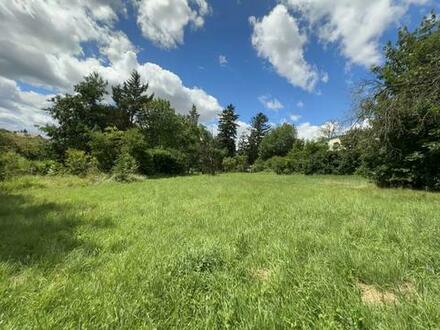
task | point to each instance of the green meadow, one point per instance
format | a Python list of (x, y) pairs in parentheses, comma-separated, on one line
[(249, 251)]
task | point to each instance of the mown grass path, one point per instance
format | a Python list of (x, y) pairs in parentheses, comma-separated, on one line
[(241, 251)]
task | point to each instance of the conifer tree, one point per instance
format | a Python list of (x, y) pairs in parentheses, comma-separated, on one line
[(227, 128)]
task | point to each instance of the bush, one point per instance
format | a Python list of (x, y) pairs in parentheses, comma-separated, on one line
[(229, 164), (167, 161), (280, 165), (45, 167), (105, 147), (134, 142), (314, 157), (259, 166), (79, 163), (125, 167), (235, 164), (12, 164)]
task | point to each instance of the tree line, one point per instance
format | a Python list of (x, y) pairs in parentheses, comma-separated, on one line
[(138, 133)]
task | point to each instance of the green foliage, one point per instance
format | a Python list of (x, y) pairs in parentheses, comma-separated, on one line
[(314, 157), (76, 115), (278, 142), (13, 164), (161, 125), (167, 161), (125, 167), (45, 167), (193, 116), (106, 146), (209, 154), (29, 146), (259, 129), (131, 97), (77, 162), (353, 146), (135, 144), (280, 165), (259, 166), (235, 164), (403, 108), (227, 130)]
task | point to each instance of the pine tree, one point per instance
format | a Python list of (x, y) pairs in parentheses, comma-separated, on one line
[(260, 128), (194, 116), (243, 145), (131, 96), (227, 128)]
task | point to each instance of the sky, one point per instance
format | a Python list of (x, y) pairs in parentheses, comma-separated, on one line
[(297, 61)]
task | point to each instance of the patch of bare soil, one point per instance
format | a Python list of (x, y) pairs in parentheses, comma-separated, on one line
[(371, 295)]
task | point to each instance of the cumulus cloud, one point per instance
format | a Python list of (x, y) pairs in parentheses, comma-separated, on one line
[(43, 43), (19, 109), (300, 104), (356, 25), (270, 103), (164, 21), (278, 39), (309, 132)]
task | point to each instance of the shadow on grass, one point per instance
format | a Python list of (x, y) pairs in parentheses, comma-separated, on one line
[(34, 232)]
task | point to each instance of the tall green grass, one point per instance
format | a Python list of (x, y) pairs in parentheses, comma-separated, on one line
[(241, 251)]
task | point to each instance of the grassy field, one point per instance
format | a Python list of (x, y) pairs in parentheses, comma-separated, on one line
[(241, 251)]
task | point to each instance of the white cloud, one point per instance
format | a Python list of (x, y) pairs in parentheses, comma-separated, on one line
[(243, 128), (42, 44), (222, 60), (277, 38), (308, 131), (164, 21), (356, 25), (295, 117), (300, 104), (19, 109), (270, 103)]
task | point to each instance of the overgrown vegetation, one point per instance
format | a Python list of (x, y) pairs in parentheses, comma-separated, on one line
[(252, 251), (402, 107)]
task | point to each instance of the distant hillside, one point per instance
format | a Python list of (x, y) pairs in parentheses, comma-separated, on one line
[(23, 143)]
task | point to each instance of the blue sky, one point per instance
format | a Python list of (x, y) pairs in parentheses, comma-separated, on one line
[(208, 52)]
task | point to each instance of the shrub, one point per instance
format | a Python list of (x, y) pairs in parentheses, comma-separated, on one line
[(125, 167), (314, 157), (105, 147), (79, 163), (134, 142), (12, 164), (280, 165), (45, 167), (235, 164), (167, 161), (229, 164), (259, 166)]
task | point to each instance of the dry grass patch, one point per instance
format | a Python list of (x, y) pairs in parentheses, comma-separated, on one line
[(262, 274), (371, 295)]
